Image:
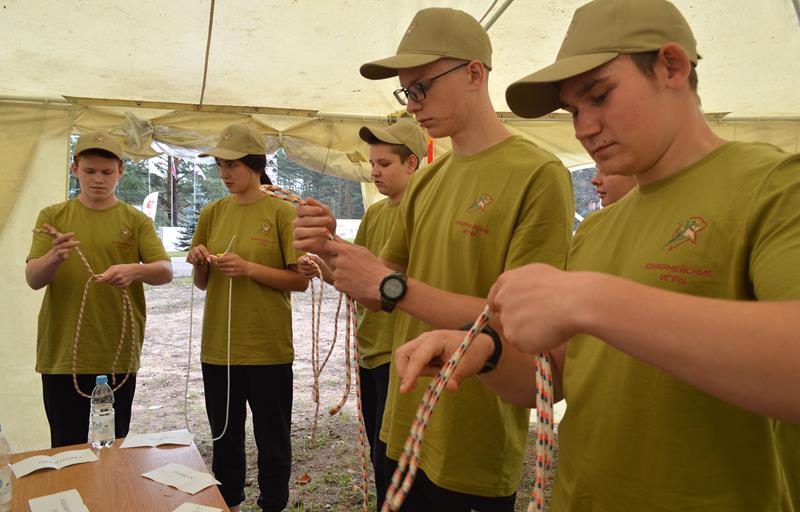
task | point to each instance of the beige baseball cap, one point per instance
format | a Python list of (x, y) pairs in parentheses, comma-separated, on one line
[(237, 141), (98, 140), (433, 34), (402, 132), (600, 31)]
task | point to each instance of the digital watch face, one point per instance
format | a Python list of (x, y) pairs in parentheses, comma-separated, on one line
[(393, 289)]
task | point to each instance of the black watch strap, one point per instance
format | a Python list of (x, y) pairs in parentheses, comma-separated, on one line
[(494, 359), (389, 303)]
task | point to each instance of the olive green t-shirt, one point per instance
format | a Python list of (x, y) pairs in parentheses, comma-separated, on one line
[(261, 316), (116, 235), (634, 437), (375, 329), (462, 222)]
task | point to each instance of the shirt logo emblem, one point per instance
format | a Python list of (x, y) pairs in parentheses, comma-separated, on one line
[(686, 231), (266, 227), (481, 203), (125, 234)]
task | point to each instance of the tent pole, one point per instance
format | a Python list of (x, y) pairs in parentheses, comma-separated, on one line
[(499, 12), (208, 50), (33, 99)]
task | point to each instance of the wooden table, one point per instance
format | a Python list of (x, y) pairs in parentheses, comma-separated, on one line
[(115, 481)]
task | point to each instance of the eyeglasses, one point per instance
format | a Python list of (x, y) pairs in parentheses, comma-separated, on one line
[(418, 92)]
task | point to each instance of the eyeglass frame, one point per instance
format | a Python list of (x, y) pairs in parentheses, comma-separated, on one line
[(409, 92)]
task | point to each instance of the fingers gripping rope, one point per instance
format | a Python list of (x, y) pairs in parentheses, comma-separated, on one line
[(351, 327), (128, 324), (403, 477)]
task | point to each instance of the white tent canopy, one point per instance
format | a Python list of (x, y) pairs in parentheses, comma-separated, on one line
[(305, 54), (291, 68)]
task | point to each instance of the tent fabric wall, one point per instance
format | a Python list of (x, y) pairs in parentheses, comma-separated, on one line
[(33, 142), (305, 54)]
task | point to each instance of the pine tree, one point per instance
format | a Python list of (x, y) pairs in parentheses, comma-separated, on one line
[(190, 215)]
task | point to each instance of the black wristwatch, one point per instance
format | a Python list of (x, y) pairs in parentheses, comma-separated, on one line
[(393, 288), (490, 363)]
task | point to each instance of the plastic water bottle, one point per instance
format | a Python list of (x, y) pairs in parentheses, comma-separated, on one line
[(5, 474), (101, 417)]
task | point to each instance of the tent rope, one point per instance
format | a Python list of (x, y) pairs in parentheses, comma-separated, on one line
[(208, 51)]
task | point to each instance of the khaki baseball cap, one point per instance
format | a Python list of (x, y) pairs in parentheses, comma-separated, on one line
[(237, 141), (98, 140), (600, 31), (402, 132), (433, 34)]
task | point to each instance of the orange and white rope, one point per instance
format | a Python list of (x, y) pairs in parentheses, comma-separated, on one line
[(404, 475), (128, 323)]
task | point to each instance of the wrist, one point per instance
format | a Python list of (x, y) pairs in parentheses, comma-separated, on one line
[(490, 346), (586, 300), (391, 290)]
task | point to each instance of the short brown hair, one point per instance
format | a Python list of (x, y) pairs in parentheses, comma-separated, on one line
[(95, 152), (646, 60)]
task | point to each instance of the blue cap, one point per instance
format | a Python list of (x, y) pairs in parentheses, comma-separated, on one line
[(101, 379)]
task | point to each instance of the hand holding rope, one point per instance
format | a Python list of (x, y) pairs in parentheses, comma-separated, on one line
[(404, 475), (351, 327), (128, 322)]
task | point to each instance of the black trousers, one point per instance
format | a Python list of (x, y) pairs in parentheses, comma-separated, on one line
[(68, 412), (268, 390), (374, 386), (426, 496)]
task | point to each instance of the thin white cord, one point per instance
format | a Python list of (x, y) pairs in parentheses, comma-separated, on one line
[(189, 363)]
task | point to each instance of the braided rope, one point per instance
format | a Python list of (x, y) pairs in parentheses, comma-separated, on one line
[(316, 317), (291, 197), (127, 314), (404, 475), (545, 438), (362, 430), (349, 313)]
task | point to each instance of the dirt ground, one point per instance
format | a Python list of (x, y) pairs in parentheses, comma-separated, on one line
[(332, 462)]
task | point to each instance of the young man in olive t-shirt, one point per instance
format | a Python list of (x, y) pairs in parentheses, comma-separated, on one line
[(494, 203), (121, 244), (682, 363)]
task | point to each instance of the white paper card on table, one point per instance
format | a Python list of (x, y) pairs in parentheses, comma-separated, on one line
[(194, 507), (56, 461), (183, 437), (181, 477), (67, 501)]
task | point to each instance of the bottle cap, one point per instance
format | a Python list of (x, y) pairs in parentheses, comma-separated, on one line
[(101, 379)]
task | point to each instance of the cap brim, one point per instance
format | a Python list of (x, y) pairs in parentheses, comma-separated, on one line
[(225, 154), (369, 134), (387, 68), (537, 94)]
